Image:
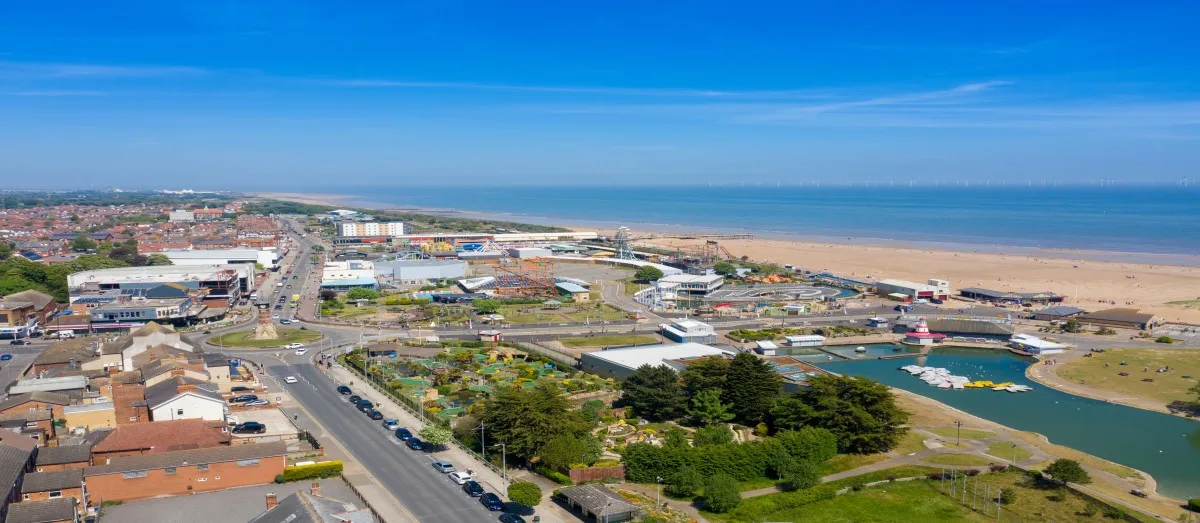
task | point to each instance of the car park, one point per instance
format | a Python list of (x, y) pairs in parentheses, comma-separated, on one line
[(472, 488), (391, 424), (415, 444), (491, 501), (461, 476), (289, 380), (403, 434), (443, 466), (374, 414), (250, 427), (509, 517), (243, 398), (343, 390)]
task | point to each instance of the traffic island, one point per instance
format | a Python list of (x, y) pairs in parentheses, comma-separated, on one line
[(246, 340)]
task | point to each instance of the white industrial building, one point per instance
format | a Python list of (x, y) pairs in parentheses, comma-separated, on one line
[(1035, 345), (346, 275), (907, 290), (529, 252), (268, 258), (370, 229), (220, 281), (688, 330), (698, 285), (620, 363), (418, 272), (808, 340), (180, 215)]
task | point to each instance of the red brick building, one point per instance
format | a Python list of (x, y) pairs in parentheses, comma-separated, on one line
[(184, 472), (158, 437)]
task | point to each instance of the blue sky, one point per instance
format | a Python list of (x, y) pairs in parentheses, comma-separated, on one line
[(250, 95)]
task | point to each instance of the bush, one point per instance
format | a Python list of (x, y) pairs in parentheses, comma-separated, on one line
[(525, 493), (1067, 470), (685, 483), (1164, 339), (799, 475), (325, 469), (1008, 496), (716, 435), (721, 494), (1057, 496), (1114, 513), (1194, 504), (554, 475), (759, 508), (1090, 510)]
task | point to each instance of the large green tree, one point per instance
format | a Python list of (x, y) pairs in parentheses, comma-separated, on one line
[(721, 493), (360, 293), (526, 419), (810, 444), (703, 374), (715, 435), (647, 273), (707, 409), (563, 451), (1068, 471), (525, 493), (725, 269), (862, 413), (83, 243), (157, 259), (751, 387), (436, 435), (654, 392), (486, 306)]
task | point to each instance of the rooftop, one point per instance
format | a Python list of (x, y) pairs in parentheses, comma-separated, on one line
[(655, 355), (598, 500), (48, 511), (52, 480), (1122, 315), (185, 458), (163, 436), (304, 507), (65, 453)]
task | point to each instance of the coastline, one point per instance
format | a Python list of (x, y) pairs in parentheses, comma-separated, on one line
[(1048, 377)]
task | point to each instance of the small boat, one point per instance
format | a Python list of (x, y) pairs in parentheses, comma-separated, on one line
[(1019, 388), (860, 349)]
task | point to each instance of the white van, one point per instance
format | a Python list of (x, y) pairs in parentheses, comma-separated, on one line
[(67, 334)]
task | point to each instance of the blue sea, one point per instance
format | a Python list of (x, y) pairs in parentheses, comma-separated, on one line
[(1160, 220)]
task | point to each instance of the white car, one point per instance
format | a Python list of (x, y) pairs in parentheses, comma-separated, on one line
[(274, 316), (289, 380), (301, 351), (294, 346), (461, 476)]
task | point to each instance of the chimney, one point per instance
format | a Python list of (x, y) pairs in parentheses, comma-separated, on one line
[(112, 371), (271, 500), (316, 488), (177, 372)]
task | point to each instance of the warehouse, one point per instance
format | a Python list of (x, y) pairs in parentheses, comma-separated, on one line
[(688, 330), (935, 289), (267, 258), (1018, 298), (1057, 313), (620, 363), (418, 272), (1121, 319), (346, 275)]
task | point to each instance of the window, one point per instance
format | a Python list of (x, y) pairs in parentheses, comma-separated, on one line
[(202, 467), (178, 412), (247, 462), (55, 494), (217, 478), (133, 418), (25, 497), (170, 470), (201, 480), (134, 475)]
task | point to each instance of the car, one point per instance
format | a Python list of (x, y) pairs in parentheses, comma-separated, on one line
[(18, 342), (355, 399), (365, 406), (5, 357), (509, 517), (443, 466), (301, 351), (294, 346), (461, 476), (278, 308), (491, 501), (391, 423), (936, 301), (343, 390), (472, 488), (374, 414), (249, 427), (285, 321), (256, 403), (243, 398), (274, 316), (415, 444), (403, 434), (290, 380), (236, 390)]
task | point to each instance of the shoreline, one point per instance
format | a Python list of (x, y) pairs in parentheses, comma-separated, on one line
[(1061, 385)]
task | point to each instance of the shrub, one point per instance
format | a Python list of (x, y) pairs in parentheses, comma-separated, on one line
[(857, 487), (1067, 470), (1114, 513), (721, 494), (1057, 496), (1164, 339), (685, 483), (971, 472), (325, 469), (1091, 510), (1008, 496), (1194, 504), (799, 475), (554, 475), (525, 493)]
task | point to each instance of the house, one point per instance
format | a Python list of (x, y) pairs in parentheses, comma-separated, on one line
[(311, 507), (63, 457), (16, 318), (688, 330), (61, 510), (141, 340), (158, 437), (162, 370), (72, 386), (16, 460), (44, 305), (127, 478), (129, 403), (52, 402), (36, 425), (598, 503), (1057, 313), (64, 354), (185, 398), (90, 416), (1122, 319), (41, 486)]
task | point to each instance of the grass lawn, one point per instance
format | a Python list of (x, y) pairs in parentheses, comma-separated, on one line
[(349, 312), (1034, 504), (907, 501), (631, 288), (911, 443), (1184, 304), (606, 312), (970, 460), (902, 471), (608, 340), (952, 433), (1166, 387), (756, 484), (844, 462), (245, 338), (1004, 450)]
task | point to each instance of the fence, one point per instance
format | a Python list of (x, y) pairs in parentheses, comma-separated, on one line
[(597, 473), (363, 500), (987, 500)]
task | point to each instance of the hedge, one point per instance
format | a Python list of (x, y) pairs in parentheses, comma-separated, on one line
[(1194, 504), (554, 475), (758, 508), (324, 469)]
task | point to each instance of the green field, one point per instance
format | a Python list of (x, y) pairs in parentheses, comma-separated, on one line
[(844, 462), (608, 340), (969, 460), (1166, 388), (606, 312), (244, 338), (912, 442), (1004, 450), (953, 433), (914, 501)]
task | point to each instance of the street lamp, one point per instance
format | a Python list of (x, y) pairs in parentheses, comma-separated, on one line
[(658, 499), (503, 460)]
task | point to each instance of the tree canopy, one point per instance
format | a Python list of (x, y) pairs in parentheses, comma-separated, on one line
[(527, 419), (862, 413), (486, 306), (647, 273), (157, 259), (436, 435), (707, 409), (725, 269), (654, 392), (563, 451), (721, 493), (359, 293), (18, 274), (751, 386), (1068, 471), (525, 493), (703, 374)]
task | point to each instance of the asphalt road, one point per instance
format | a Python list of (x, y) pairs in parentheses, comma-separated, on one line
[(407, 474)]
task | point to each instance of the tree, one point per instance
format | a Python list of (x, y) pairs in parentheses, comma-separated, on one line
[(675, 438), (158, 259), (809, 444), (1068, 471), (703, 374), (799, 474), (435, 434), (715, 435), (707, 408), (563, 451), (527, 419), (721, 493), (525, 492), (83, 243), (328, 295), (725, 269), (5, 250), (647, 273), (654, 392), (486, 306), (685, 483), (1008, 496), (1072, 325), (359, 293), (862, 413), (751, 386)]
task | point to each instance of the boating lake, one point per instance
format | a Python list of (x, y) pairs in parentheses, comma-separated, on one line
[(1167, 447)]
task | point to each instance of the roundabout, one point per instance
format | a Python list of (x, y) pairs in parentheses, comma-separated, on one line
[(246, 340)]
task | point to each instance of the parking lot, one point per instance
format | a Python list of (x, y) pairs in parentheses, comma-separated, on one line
[(239, 504)]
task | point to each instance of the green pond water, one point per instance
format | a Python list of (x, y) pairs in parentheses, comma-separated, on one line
[(1167, 447)]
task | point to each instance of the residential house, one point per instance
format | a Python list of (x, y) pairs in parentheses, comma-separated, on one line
[(185, 472), (129, 403), (63, 457), (158, 437), (185, 398), (35, 401), (90, 416), (74, 386), (44, 305), (151, 335), (64, 354), (16, 459), (41, 486), (61, 510), (311, 507), (37, 425)]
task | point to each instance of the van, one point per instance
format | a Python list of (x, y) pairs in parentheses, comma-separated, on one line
[(67, 334)]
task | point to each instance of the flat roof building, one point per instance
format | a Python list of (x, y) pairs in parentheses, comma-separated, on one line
[(1121, 318), (694, 284), (620, 363), (1035, 345), (268, 258), (688, 330), (933, 289), (224, 281), (350, 274), (416, 272)]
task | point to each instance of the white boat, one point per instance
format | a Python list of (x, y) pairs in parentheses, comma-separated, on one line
[(1019, 388), (860, 349)]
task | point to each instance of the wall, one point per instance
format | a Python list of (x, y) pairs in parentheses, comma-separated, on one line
[(92, 419), (111, 487), (30, 406), (597, 473), (192, 406), (63, 466), (76, 492)]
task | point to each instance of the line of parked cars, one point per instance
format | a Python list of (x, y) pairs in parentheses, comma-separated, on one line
[(461, 477)]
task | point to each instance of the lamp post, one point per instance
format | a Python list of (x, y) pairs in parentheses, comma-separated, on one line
[(1014, 460), (658, 498), (503, 460)]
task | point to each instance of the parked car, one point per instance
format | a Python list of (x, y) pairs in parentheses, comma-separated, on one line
[(236, 390), (365, 405), (414, 443), (355, 399), (5, 357), (18, 341), (443, 466), (461, 476), (374, 414), (472, 488), (289, 380), (391, 424), (278, 308), (491, 501), (250, 427), (404, 434), (936, 301), (343, 390), (256, 403), (243, 398), (509, 517)]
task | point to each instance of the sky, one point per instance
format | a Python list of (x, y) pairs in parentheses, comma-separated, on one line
[(303, 95)]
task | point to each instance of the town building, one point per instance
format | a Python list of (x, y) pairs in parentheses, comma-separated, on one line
[(419, 272), (808, 340), (158, 437), (688, 330), (44, 305), (904, 290), (16, 318), (1014, 298), (60, 510), (573, 291), (16, 460), (143, 339), (63, 457), (51, 402), (36, 425), (207, 215), (1035, 345), (181, 472), (376, 229), (598, 503), (42, 486), (221, 285), (690, 284), (311, 507), (620, 363), (346, 275), (1121, 318), (74, 386), (920, 335), (90, 416), (130, 311), (185, 398), (268, 258), (529, 252), (1057, 313), (181, 216)]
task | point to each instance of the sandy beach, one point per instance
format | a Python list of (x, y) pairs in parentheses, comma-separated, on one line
[(1090, 283)]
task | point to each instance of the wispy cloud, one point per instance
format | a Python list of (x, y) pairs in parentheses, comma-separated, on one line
[(602, 90), (53, 92), (9, 69), (952, 95)]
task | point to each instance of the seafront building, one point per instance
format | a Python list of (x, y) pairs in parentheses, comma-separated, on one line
[(268, 258), (906, 291), (620, 363)]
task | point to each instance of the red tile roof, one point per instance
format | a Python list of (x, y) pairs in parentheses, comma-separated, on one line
[(163, 436)]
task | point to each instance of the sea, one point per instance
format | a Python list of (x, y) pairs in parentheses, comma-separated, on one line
[(1158, 220)]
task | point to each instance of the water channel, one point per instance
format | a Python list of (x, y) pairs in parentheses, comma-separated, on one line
[(1167, 447)]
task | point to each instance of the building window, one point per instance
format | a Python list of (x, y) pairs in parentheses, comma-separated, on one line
[(202, 467), (201, 480), (135, 475), (178, 412), (133, 418), (217, 478), (247, 462), (170, 470), (55, 494), (25, 497)]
